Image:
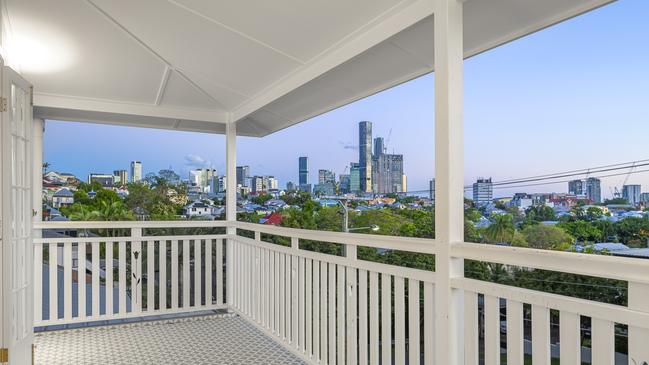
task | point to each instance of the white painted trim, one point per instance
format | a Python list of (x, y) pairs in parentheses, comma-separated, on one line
[(113, 107), (612, 267), (127, 224), (421, 245)]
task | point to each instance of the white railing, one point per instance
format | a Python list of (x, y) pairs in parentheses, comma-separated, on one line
[(95, 277), (337, 309)]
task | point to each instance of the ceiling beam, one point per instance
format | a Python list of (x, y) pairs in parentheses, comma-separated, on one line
[(374, 33), (121, 108)]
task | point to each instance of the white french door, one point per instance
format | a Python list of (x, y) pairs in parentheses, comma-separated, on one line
[(16, 129)]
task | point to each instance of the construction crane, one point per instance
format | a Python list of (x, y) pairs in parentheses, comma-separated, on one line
[(387, 141), (618, 192)]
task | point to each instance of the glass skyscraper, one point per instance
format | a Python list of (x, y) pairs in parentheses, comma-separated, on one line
[(304, 170), (365, 155)]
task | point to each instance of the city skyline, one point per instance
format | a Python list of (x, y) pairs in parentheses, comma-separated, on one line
[(558, 78)]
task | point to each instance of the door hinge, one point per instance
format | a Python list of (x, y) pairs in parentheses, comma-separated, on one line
[(3, 105), (4, 355), (31, 96)]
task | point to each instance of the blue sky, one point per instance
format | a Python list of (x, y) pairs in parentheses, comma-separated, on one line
[(573, 96)]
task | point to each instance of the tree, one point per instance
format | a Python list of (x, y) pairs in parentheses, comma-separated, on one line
[(540, 213), (547, 237), (501, 229), (582, 231)]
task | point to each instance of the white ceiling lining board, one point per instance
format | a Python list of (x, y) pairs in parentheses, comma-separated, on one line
[(303, 29), (195, 45), (168, 65), (253, 39), (479, 14)]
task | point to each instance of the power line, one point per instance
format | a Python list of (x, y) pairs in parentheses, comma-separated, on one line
[(512, 183)]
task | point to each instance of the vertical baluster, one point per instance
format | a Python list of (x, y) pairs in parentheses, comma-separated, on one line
[(198, 285), (162, 275), (136, 266), (638, 337), (294, 301), (332, 313), (351, 311), (288, 303), (413, 322), (267, 289), (121, 273), (81, 276), (386, 318), (67, 280), (362, 317), (277, 294), (429, 323), (515, 343), (174, 274), (399, 321), (324, 347), (340, 302), (109, 279), (95, 280), (282, 297), (219, 272), (54, 295), (374, 320), (603, 346), (186, 282), (208, 271), (540, 335), (569, 337), (38, 282), (272, 282), (316, 310), (301, 299), (308, 310), (150, 276), (492, 329)]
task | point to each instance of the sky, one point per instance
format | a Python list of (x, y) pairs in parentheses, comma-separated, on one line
[(573, 96)]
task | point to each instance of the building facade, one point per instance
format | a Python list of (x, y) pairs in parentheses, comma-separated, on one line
[(303, 170), (387, 174), (354, 178), (326, 176), (136, 171), (631, 193), (120, 177), (576, 187), (594, 190), (483, 192), (365, 156), (243, 176)]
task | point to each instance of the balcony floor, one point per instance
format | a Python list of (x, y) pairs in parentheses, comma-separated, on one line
[(214, 339)]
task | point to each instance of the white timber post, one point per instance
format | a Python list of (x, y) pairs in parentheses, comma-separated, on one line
[(638, 300), (449, 180), (230, 202)]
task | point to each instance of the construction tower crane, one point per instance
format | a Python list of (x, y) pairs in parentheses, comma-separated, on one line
[(618, 192)]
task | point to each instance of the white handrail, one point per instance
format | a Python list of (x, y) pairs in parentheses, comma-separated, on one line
[(127, 224)]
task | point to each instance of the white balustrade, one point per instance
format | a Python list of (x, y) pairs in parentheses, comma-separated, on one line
[(333, 309)]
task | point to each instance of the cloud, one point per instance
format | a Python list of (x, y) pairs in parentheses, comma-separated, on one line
[(348, 145), (196, 162)]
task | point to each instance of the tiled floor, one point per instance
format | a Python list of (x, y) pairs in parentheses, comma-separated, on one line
[(215, 339)]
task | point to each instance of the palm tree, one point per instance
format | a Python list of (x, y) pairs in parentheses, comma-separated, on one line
[(501, 229)]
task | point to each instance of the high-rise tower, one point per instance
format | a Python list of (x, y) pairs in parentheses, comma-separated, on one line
[(365, 155)]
